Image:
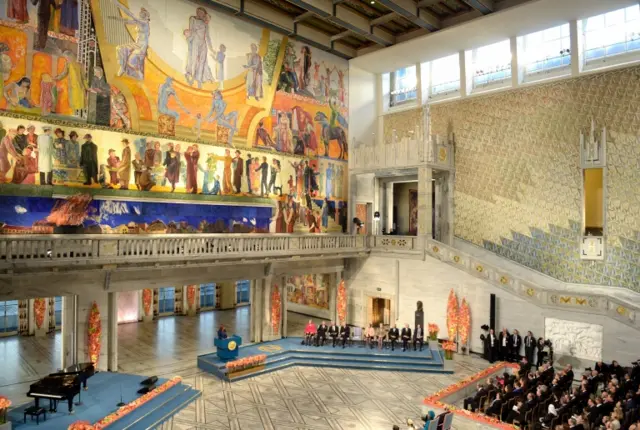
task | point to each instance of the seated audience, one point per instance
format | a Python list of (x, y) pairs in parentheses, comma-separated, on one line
[(334, 331), (369, 335), (418, 337), (322, 334), (309, 333)]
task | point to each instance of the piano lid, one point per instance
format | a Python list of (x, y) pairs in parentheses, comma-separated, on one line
[(76, 368), (56, 381)]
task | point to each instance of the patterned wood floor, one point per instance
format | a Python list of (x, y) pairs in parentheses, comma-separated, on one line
[(295, 398)]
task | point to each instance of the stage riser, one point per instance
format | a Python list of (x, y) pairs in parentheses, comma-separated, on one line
[(380, 360), (338, 354)]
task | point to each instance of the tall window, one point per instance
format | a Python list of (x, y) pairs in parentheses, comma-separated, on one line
[(8, 317), (403, 86), (207, 296), (242, 291), (57, 308), (547, 51), (166, 301), (491, 64), (445, 75), (611, 34)]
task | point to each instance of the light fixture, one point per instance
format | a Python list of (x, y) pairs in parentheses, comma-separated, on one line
[(373, 2), (376, 216)]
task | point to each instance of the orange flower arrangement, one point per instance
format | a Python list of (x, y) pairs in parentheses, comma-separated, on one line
[(245, 363), (5, 404), (464, 322), (437, 399), (81, 425), (433, 331), (275, 309), (452, 315), (126, 409), (342, 303), (191, 295), (95, 334), (147, 297), (449, 348), (39, 309)]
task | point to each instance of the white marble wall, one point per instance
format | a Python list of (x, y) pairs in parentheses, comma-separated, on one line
[(408, 280)]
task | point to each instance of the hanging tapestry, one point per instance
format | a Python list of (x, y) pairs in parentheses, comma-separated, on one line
[(452, 315), (276, 307), (342, 303)]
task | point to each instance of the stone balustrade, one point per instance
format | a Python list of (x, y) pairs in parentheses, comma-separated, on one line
[(397, 244), (58, 248)]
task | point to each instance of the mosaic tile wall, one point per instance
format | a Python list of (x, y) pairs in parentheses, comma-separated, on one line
[(403, 122), (518, 177)]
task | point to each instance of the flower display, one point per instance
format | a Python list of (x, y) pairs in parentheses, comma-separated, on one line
[(191, 295), (464, 322), (5, 404), (449, 348), (81, 425), (95, 333), (342, 303), (452, 315), (433, 330), (276, 306), (129, 407), (147, 297), (39, 310), (437, 399), (245, 363)]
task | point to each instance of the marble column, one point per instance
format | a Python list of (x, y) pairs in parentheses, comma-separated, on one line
[(69, 331), (425, 186), (333, 296), (85, 302), (112, 332), (388, 203), (227, 295)]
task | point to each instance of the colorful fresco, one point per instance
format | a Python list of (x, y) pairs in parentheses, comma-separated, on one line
[(309, 290), (28, 215), (205, 104)]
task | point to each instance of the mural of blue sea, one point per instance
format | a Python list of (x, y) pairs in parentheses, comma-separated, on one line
[(28, 215)]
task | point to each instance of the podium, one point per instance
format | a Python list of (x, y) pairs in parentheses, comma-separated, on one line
[(227, 349)]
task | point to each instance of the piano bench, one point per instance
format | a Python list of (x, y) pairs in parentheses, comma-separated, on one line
[(34, 411)]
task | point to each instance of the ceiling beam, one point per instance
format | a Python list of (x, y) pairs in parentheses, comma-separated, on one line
[(340, 35), (427, 3), (484, 6), (410, 10), (346, 18), (303, 17), (338, 1), (383, 19)]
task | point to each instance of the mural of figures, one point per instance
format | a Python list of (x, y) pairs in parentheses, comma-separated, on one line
[(199, 46), (309, 290), (131, 57), (254, 73)]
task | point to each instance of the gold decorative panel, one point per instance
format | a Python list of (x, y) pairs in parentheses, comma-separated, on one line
[(518, 184)]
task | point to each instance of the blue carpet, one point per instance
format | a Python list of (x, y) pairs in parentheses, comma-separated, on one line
[(288, 352), (101, 398)]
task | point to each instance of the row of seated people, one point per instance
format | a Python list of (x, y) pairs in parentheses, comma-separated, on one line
[(371, 337), (511, 346), (608, 397)]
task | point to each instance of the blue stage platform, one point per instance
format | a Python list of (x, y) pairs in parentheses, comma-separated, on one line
[(100, 400), (288, 352)]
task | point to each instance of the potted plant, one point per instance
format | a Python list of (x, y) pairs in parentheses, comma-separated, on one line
[(5, 403), (449, 348), (433, 331)]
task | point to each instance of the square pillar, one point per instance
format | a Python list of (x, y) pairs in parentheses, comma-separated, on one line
[(69, 331), (227, 295), (112, 332), (425, 189), (333, 296), (388, 202)]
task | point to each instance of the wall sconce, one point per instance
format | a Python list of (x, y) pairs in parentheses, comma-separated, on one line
[(376, 216)]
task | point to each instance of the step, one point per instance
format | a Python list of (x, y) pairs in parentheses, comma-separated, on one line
[(357, 359), (159, 416), (359, 352)]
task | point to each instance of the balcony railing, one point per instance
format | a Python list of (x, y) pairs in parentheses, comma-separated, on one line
[(46, 248), (397, 243)]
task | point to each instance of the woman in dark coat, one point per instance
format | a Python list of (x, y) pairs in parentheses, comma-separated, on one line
[(172, 163)]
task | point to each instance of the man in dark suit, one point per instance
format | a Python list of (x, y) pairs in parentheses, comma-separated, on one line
[(529, 346), (514, 413), (345, 332), (492, 346), (516, 343), (495, 406), (394, 334), (472, 403), (504, 344), (525, 367), (248, 164), (418, 337), (573, 424), (322, 334), (334, 331), (406, 336)]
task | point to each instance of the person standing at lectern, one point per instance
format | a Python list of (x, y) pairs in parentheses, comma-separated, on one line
[(504, 345), (309, 332), (322, 334), (333, 332), (222, 332), (418, 337), (394, 334), (345, 332), (516, 343), (406, 336), (529, 346)]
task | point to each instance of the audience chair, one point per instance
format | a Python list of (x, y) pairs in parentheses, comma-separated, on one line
[(356, 335), (448, 421)]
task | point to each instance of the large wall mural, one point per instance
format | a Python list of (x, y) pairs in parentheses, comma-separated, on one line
[(518, 185), (198, 105)]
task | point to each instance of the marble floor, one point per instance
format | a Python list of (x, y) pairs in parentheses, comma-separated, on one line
[(294, 398)]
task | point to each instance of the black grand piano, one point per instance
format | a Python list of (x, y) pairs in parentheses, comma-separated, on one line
[(63, 385)]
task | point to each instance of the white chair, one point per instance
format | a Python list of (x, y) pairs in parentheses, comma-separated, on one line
[(448, 421), (356, 334)]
